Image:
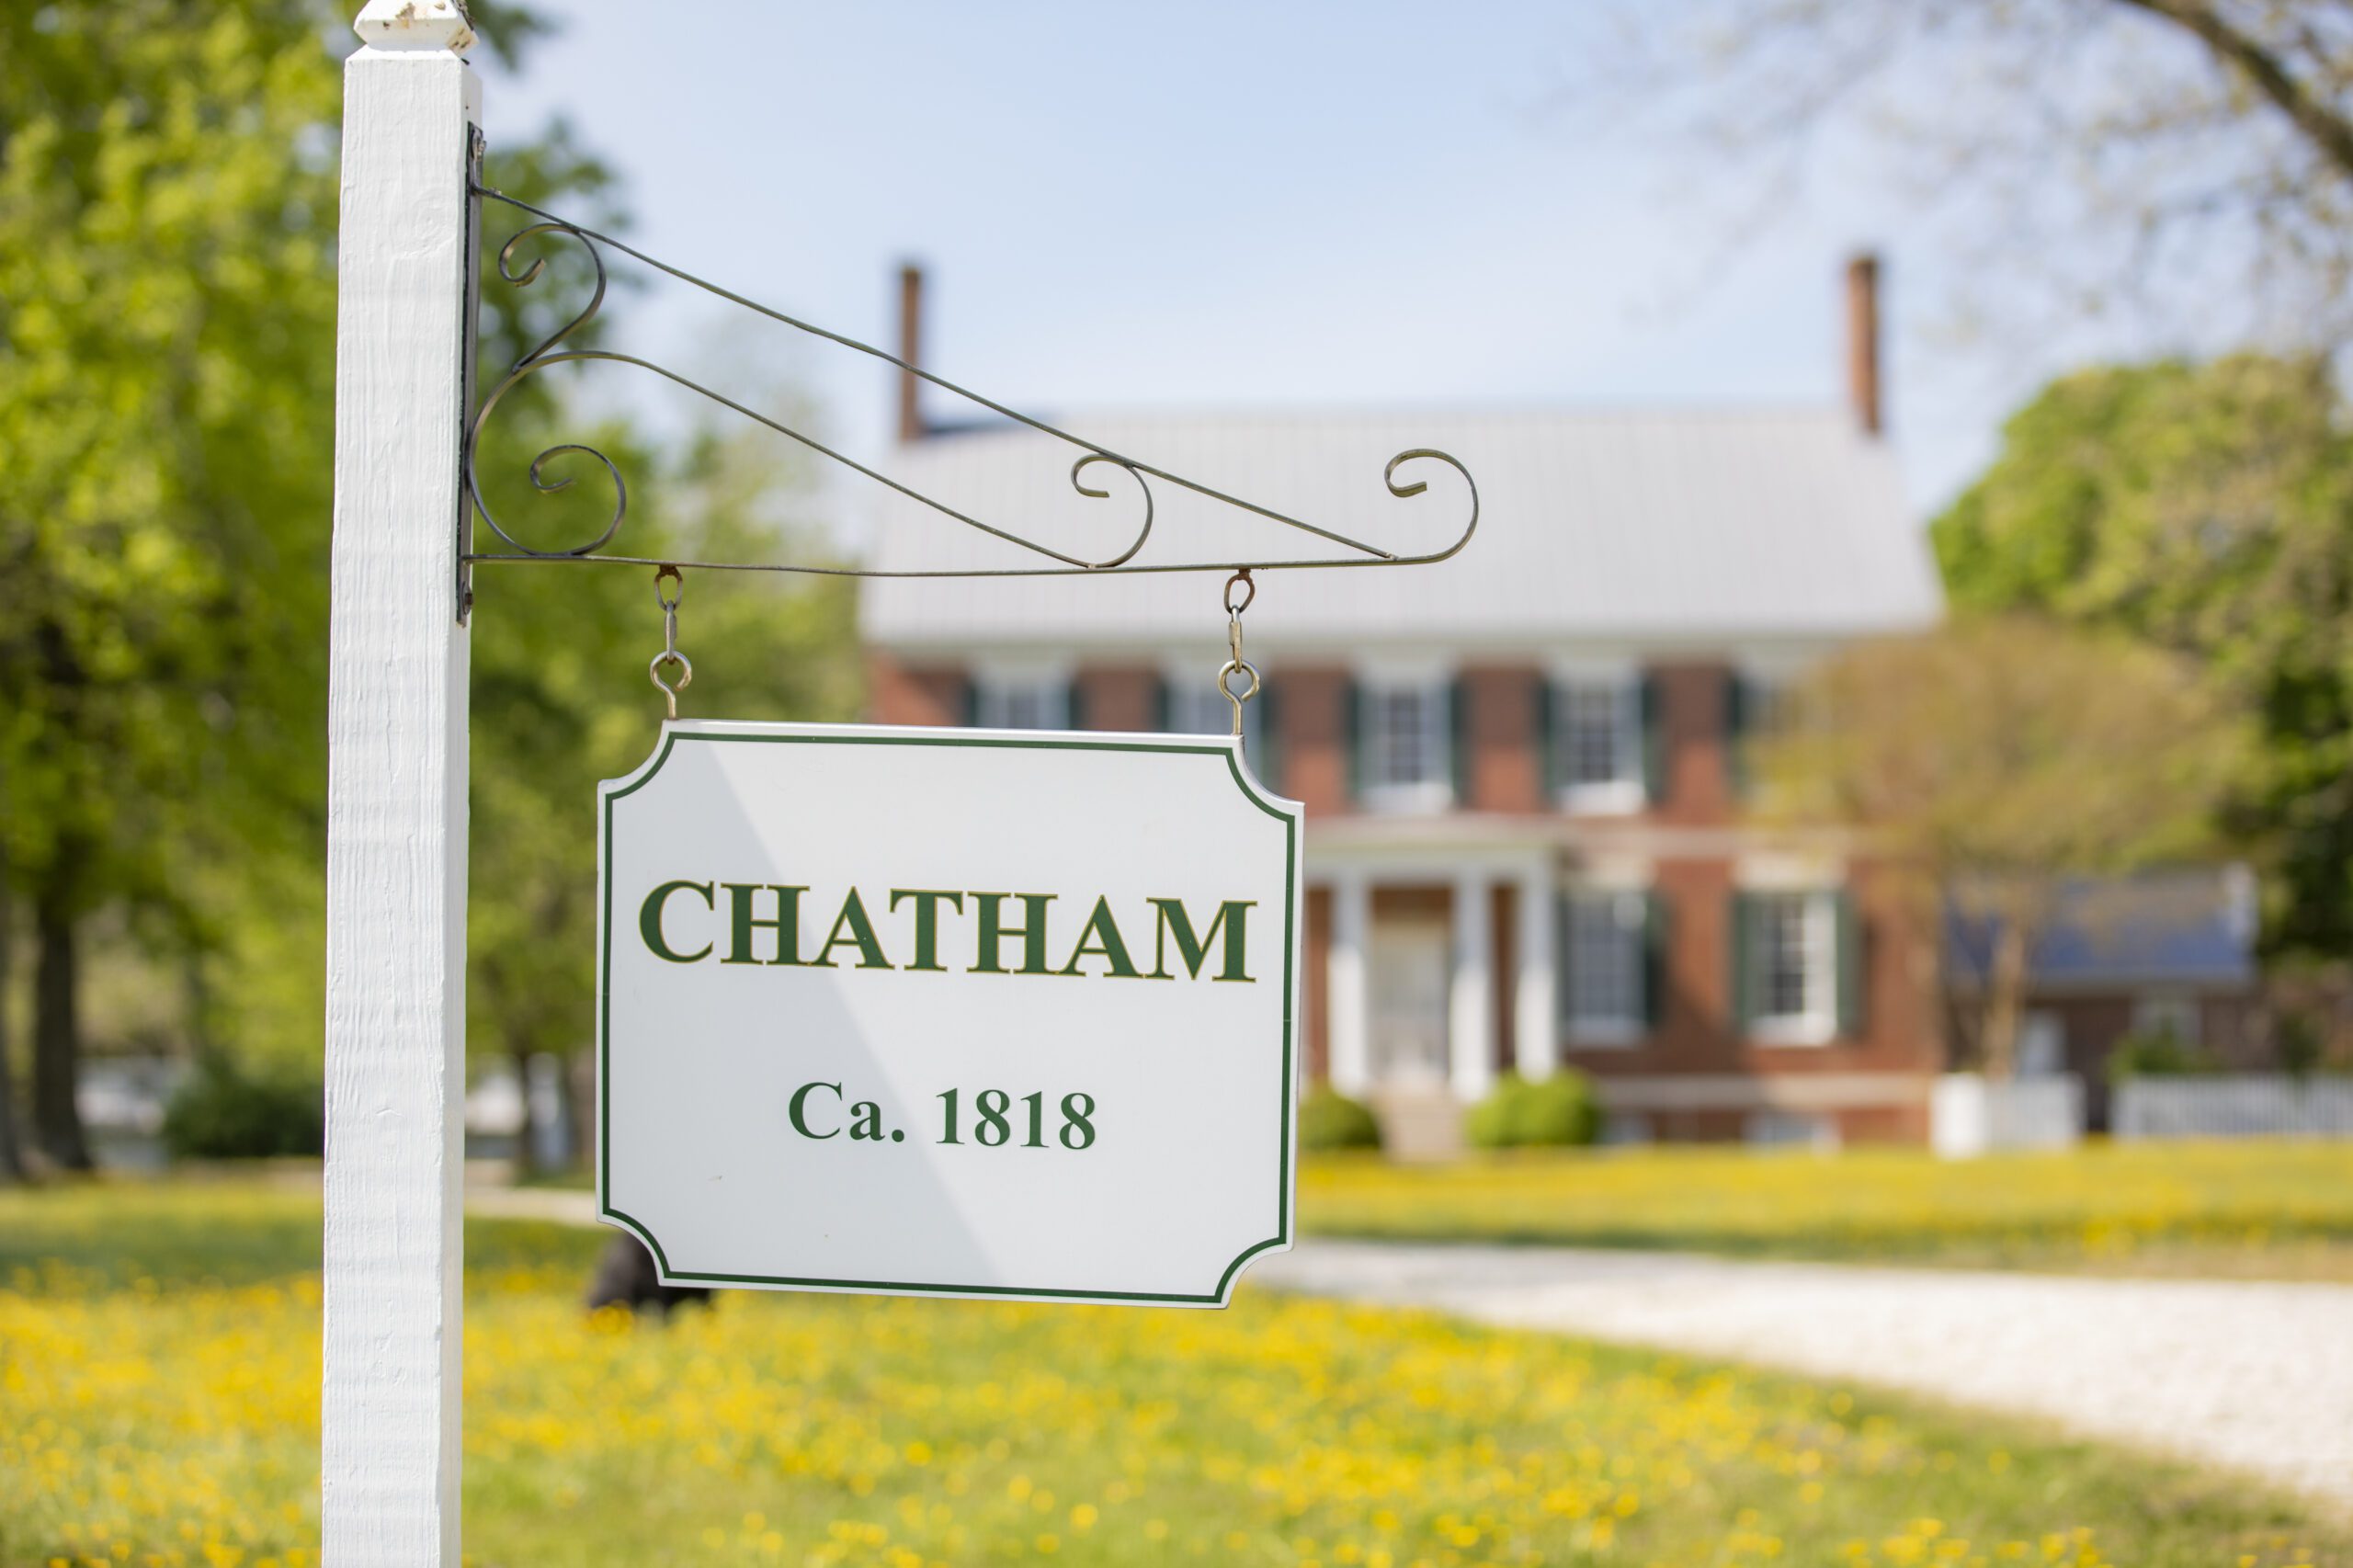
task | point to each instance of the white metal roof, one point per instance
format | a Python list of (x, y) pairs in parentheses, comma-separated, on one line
[(1637, 529)]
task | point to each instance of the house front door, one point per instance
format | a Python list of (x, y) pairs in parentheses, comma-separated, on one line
[(1409, 975)]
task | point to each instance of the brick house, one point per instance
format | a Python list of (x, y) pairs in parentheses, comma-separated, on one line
[(2165, 953), (1523, 766)]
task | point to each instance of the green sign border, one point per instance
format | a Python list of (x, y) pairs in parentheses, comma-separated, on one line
[(671, 736)]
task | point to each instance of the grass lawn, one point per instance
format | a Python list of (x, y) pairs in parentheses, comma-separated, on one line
[(2268, 1209), (158, 1404)]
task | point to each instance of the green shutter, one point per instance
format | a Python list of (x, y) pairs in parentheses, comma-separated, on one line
[(1736, 717), (971, 703), (1352, 737), (1160, 703), (1657, 917), (1744, 937), (1458, 739), (1654, 741), (1075, 705), (1548, 747), (1267, 750), (1563, 982), (1850, 959)]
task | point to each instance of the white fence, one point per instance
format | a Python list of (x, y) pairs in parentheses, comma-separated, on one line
[(2247, 1107), (1969, 1115)]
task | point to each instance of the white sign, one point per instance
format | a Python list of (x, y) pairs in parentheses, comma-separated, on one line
[(949, 1012)]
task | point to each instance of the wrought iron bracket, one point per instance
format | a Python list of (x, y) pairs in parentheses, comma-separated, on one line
[(475, 144), (552, 351)]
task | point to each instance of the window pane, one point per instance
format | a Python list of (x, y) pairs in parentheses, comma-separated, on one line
[(1792, 962), (1190, 708), (1593, 726), (1403, 740), (1197, 708), (1024, 705), (1605, 959), (2174, 1016)]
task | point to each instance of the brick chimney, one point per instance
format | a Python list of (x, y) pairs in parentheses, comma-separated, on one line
[(910, 350), (1862, 342)]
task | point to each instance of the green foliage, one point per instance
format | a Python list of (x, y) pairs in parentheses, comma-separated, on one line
[(241, 1230), (224, 1112), (1559, 1111), (2301, 1044), (561, 700), (2007, 750), (155, 1366), (2206, 509), (1329, 1120), (2264, 1208), (167, 198), (1997, 757), (2157, 1054), (167, 202)]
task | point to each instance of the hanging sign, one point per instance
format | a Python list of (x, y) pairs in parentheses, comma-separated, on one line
[(949, 1012)]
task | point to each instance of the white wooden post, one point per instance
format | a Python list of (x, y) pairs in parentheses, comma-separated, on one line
[(1347, 1031), (1536, 1050), (396, 802), (1471, 991)]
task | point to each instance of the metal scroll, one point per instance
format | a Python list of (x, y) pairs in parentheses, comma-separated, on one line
[(559, 347)]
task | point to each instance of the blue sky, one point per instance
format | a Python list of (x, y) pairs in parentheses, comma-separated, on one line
[(1222, 204)]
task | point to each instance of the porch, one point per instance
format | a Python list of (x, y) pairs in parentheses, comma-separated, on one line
[(1427, 978), (1714, 991)]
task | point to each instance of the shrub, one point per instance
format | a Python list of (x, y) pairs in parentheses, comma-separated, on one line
[(225, 1113), (2300, 1045), (1552, 1112), (1329, 1119), (2160, 1055)]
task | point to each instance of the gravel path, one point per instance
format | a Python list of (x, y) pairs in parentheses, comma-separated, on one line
[(2255, 1376)]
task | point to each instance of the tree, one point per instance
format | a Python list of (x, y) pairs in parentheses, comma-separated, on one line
[(167, 191), (2208, 143), (2207, 510), (165, 251), (1998, 757), (12, 1163), (561, 700)]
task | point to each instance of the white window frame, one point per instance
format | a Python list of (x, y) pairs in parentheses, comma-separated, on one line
[(1767, 681), (1817, 1023), (1626, 1129), (1764, 692), (997, 692), (1764, 698), (1433, 789), (2174, 1012), (1625, 792), (1630, 910), (1196, 707), (1777, 1128), (2042, 1044)]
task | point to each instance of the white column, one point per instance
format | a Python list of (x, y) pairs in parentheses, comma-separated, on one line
[(1535, 1040), (396, 802), (1470, 997), (1347, 1039)]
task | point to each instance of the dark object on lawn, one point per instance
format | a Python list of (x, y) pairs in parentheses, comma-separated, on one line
[(626, 1278)]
